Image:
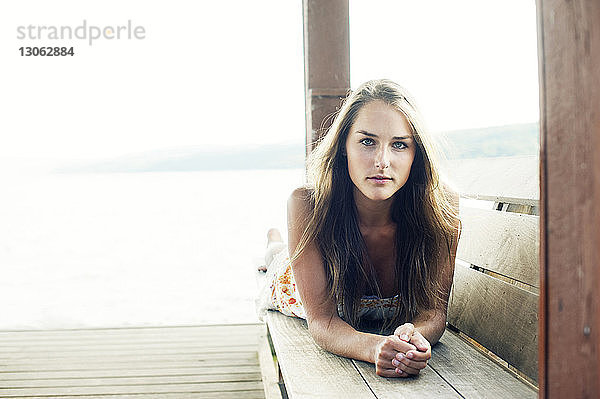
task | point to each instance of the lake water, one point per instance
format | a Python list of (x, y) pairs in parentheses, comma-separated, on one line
[(135, 249)]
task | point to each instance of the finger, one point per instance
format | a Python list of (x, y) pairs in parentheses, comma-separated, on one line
[(401, 358), (418, 356), (385, 358), (393, 372), (401, 373), (399, 345), (388, 355), (392, 345), (405, 331), (422, 345), (390, 373), (406, 369), (420, 342)]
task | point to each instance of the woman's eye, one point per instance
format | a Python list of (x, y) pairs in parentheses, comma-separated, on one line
[(367, 142), (399, 145)]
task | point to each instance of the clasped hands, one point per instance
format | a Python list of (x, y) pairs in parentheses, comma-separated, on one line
[(402, 354)]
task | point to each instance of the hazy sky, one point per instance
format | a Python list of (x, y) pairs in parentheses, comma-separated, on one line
[(214, 74)]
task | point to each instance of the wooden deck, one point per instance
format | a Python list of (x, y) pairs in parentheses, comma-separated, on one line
[(217, 361), (456, 370)]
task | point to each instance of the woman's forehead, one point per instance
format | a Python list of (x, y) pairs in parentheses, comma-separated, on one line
[(377, 117)]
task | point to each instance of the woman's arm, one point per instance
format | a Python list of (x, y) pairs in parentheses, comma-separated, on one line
[(325, 326), (432, 323), (427, 328)]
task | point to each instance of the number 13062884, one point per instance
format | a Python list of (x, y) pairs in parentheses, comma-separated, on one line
[(46, 51)]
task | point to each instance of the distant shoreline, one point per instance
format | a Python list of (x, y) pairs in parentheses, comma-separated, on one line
[(495, 141)]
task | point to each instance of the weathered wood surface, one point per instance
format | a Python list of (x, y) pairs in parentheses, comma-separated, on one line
[(178, 362), (129, 372), (180, 332), (503, 179), (63, 346), (472, 373), (504, 242), (427, 385), (326, 63), (456, 370), (179, 395), (569, 47), (500, 316), (270, 376), (308, 370), (114, 388)]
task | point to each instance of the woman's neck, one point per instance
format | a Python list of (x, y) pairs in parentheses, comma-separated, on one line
[(373, 214)]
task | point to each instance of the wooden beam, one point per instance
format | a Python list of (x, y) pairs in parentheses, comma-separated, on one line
[(326, 63), (569, 65)]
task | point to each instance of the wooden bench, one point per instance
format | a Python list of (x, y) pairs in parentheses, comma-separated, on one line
[(493, 305)]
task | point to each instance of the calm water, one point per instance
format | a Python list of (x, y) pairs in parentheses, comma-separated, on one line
[(91, 250)]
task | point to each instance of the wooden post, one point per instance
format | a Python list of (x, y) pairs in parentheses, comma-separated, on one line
[(569, 65), (326, 63)]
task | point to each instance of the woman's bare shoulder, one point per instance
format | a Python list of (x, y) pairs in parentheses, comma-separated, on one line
[(304, 192), (451, 194), (301, 200), (299, 212), (453, 198)]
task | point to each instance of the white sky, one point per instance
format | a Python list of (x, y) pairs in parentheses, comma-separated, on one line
[(468, 63), (221, 73)]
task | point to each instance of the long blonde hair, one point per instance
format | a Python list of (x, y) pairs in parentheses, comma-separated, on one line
[(421, 209)]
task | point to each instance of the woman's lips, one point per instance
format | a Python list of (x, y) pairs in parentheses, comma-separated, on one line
[(380, 179)]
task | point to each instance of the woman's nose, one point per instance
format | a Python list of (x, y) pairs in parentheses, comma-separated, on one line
[(383, 160)]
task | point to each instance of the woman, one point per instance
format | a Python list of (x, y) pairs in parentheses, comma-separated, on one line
[(372, 238)]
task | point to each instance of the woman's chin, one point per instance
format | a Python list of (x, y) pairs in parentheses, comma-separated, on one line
[(379, 195), (381, 198)]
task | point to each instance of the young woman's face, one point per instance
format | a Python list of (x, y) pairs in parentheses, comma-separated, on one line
[(380, 150)]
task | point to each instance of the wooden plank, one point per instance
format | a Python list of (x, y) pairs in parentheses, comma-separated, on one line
[(208, 328), (75, 344), (498, 315), (120, 361), (132, 389), (127, 365), (473, 374), (569, 44), (503, 179), (189, 362), (130, 372), (165, 339), (427, 385), (198, 358), (132, 333), (203, 345), (247, 394), (308, 370), (503, 242), (93, 336), (122, 381), (270, 375), (121, 352)]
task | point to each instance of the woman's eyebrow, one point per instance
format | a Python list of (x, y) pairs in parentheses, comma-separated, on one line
[(374, 135)]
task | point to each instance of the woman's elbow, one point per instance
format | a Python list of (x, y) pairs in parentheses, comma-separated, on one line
[(439, 328), (319, 330)]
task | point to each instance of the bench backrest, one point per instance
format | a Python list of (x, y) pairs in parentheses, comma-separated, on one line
[(494, 299)]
